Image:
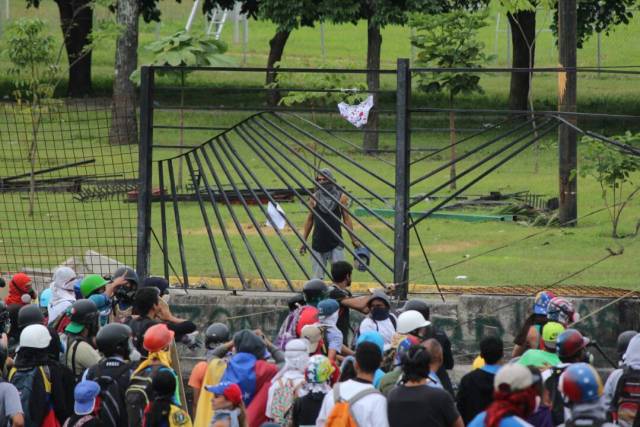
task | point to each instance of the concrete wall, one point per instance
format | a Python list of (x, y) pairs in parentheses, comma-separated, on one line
[(493, 314)]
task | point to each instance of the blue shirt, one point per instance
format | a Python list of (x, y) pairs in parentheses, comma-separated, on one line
[(491, 369), (509, 421)]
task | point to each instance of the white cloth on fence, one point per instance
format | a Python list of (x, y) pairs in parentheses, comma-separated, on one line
[(276, 216), (358, 114)]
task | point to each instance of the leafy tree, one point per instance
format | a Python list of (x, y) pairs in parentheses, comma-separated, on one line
[(449, 40), (614, 170)]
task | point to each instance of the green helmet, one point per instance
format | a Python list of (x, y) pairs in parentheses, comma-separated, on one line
[(91, 283)]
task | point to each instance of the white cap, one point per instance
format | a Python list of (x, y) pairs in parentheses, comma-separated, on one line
[(513, 377), (35, 336), (411, 320)]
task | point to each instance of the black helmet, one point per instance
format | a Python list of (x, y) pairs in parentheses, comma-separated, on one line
[(129, 274), (295, 301), (314, 291), (113, 339), (215, 334), (84, 312), (417, 305), (623, 341), (30, 315)]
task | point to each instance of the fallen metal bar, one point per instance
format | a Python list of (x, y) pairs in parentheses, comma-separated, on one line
[(207, 224), (47, 170), (484, 174), (255, 223), (223, 228), (176, 214), (163, 222)]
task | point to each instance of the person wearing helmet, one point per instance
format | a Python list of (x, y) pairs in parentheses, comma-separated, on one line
[(514, 399), (62, 294), (20, 291), (122, 306), (314, 291), (546, 358), (32, 370), (530, 335), (216, 334), (81, 332), (101, 291), (380, 318), (581, 387), (286, 384), (32, 315), (619, 393), (339, 290), (571, 347), (328, 214), (475, 392), (43, 302), (562, 311), (113, 372), (393, 377)]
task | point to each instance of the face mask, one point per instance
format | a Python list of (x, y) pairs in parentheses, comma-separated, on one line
[(380, 313), (330, 320)]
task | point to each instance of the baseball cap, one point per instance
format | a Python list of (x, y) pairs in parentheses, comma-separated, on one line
[(512, 378), (327, 307), (74, 328), (229, 390), (85, 395), (312, 334)]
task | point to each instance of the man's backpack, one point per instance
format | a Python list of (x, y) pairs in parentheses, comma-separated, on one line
[(342, 415), (140, 393), (584, 421), (34, 387), (282, 401), (139, 326), (557, 403), (287, 330), (111, 413), (626, 398), (79, 422)]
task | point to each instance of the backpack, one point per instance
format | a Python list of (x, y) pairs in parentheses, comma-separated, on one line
[(557, 403), (341, 415), (33, 384), (140, 393), (139, 326), (282, 401), (287, 331), (626, 399), (112, 396), (80, 422), (584, 421)]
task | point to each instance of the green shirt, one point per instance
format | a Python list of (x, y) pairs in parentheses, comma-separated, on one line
[(539, 359)]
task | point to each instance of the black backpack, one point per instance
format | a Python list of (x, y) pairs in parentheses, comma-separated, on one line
[(140, 393), (584, 421), (625, 403), (113, 383), (557, 404), (139, 326), (34, 387)]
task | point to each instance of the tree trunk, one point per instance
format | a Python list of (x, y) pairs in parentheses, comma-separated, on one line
[(374, 43), (276, 49), (523, 36), (76, 21), (124, 127)]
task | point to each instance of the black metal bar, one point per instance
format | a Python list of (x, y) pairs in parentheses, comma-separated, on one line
[(523, 112), (255, 223), (277, 69), (299, 169), (252, 109), (470, 152), (483, 174), (47, 170), (304, 202), (272, 200), (155, 237), (176, 214), (460, 141), (145, 158), (403, 145), (476, 165), (207, 224), (232, 89), (189, 127), (325, 145), (305, 161), (221, 223), (234, 218), (426, 258), (163, 222), (246, 183)]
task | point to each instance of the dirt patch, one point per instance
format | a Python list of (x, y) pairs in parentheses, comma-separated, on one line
[(448, 247), (247, 228)]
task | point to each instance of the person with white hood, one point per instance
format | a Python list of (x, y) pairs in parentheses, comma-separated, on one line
[(62, 293), (286, 385), (328, 312), (618, 398)]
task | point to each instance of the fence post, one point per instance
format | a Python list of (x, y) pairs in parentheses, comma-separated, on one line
[(143, 247), (403, 144)]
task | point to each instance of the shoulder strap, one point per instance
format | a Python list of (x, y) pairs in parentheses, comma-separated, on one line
[(336, 393), (82, 421), (367, 391), (73, 354), (12, 372), (394, 321)]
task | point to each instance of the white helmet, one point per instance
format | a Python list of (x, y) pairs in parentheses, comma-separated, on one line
[(410, 321), (35, 336)]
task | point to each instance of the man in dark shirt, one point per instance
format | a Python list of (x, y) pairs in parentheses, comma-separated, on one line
[(339, 291), (413, 404), (328, 213), (476, 387)]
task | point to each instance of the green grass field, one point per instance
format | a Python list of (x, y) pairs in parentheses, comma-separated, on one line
[(537, 261)]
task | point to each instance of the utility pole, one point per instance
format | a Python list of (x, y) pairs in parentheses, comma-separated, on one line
[(567, 96)]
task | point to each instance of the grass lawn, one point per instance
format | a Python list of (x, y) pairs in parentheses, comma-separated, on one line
[(55, 233)]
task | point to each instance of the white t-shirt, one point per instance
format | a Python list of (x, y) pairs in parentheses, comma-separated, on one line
[(370, 411), (383, 327)]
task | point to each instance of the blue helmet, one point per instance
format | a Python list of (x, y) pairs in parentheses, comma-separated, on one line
[(580, 383), (45, 297), (362, 258), (542, 302)]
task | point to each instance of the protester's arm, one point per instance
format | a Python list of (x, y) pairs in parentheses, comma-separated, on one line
[(458, 422), (17, 420), (13, 406), (221, 350), (111, 287), (357, 303), (308, 226), (346, 218)]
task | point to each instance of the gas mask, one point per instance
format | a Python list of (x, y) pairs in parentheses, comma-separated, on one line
[(126, 293), (380, 313)]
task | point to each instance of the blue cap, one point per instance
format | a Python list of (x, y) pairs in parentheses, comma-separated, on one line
[(371, 336), (85, 395), (44, 298), (218, 388), (327, 307)]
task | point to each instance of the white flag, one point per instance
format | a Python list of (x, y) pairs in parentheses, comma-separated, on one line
[(276, 216)]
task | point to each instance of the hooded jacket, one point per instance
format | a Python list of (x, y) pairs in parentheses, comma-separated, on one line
[(630, 359)]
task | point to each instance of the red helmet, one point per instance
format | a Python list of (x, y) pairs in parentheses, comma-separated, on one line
[(570, 342), (157, 338)]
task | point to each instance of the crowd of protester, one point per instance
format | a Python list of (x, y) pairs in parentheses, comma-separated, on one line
[(97, 351)]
